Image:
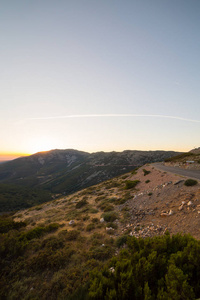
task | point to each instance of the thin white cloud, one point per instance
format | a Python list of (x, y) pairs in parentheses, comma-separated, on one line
[(116, 115)]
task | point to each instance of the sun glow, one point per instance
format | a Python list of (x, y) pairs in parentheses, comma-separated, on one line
[(41, 144), (5, 156)]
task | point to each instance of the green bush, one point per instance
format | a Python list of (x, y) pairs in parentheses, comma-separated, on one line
[(72, 235), (146, 172), (190, 182), (153, 268), (6, 224), (110, 216), (120, 241), (147, 181), (81, 203), (105, 205), (37, 232), (113, 225), (100, 253), (90, 227), (129, 184), (95, 220)]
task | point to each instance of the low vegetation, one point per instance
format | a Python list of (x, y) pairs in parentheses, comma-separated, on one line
[(179, 157), (13, 197), (152, 268), (130, 184), (146, 172), (190, 182), (73, 266)]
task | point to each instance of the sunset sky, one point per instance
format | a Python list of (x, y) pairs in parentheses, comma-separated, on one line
[(99, 75)]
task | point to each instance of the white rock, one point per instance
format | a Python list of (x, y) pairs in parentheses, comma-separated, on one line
[(71, 222), (109, 228), (102, 220), (180, 207), (112, 270)]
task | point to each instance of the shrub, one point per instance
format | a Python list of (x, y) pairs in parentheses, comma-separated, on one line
[(72, 235), (110, 216), (108, 208), (113, 225), (52, 227), (7, 224), (131, 184), (157, 268), (100, 253), (105, 206), (34, 233), (190, 182), (81, 203), (146, 172), (120, 241), (147, 181), (95, 220), (90, 227)]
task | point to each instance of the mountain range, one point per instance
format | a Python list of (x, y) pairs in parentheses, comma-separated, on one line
[(66, 171)]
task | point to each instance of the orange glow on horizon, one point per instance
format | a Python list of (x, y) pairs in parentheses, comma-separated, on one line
[(11, 155)]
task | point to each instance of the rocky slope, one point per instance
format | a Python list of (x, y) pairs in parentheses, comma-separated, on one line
[(160, 201)]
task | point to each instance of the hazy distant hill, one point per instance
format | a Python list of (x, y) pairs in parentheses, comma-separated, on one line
[(66, 171)]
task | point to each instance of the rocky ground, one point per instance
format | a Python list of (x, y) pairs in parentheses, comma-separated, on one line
[(159, 202), (164, 204)]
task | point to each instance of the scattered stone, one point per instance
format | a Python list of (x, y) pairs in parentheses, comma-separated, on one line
[(112, 269), (102, 220), (164, 214), (180, 207), (109, 228), (189, 203), (71, 222)]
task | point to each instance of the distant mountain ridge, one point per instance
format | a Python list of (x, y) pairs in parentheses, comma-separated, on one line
[(66, 171)]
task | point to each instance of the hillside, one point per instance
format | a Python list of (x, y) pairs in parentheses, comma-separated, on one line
[(188, 160), (30, 180), (61, 242), (64, 172), (157, 197)]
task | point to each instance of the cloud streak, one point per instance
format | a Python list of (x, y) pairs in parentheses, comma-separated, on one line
[(115, 116)]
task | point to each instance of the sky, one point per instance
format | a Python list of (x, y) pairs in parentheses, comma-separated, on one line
[(99, 75)]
